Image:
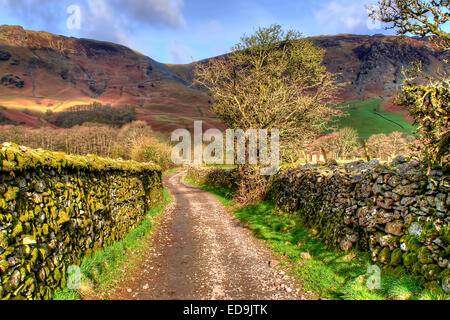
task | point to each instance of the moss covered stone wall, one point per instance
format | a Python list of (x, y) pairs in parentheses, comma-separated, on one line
[(395, 211), (56, 209)]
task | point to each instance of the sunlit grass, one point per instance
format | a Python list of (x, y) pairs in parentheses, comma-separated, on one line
[(368, 118), (330, 273), (171, 171), (225, 196)]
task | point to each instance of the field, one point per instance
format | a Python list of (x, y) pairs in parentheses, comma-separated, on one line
[(368, 118)]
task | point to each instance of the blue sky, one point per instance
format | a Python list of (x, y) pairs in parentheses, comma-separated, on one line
[(182, 31)]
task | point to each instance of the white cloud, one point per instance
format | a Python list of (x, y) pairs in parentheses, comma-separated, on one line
[(153, 12), (179, 53), (108, 20), (349, 13)]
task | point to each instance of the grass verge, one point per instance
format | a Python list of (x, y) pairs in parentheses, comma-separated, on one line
[(224, 196), (331, 274), (106, 267), (171, 171)]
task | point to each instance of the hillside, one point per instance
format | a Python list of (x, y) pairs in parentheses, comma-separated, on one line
[(41, 71), (367, 66)]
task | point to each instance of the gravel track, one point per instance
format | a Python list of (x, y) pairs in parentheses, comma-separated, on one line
[(200, 252)]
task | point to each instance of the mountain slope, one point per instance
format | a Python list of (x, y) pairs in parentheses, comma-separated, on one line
[(367, 66), (41, 71), (371, 66)]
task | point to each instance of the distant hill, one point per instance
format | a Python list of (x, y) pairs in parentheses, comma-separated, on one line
[(41, 71), (367, 66)]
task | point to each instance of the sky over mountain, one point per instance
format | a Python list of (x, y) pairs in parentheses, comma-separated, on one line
[(182, 31)]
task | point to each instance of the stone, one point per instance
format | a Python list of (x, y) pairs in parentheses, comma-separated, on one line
[(40, 186), (274, 263), (357, 178), (376, 189), (409, 259), (381, 216), (398, 160), (440, 202), (387, 204), (384, 256), (12, 261), (3, 240), (424, 255), (305, 255), (446, 285), (395, 228), (396, 257), (432, 271), (443, 263), (37, 198), (430, 200), (395, 196), (415, 229), (394, 181), (407, 201), (4, 55), (14, 281), (406, 190), (346, 245), (384, 239)]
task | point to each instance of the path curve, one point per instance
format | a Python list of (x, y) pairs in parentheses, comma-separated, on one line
[(200, 252)]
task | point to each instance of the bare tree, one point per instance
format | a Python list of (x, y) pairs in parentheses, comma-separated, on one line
[(273, 79), (429, 102), (419, 17)]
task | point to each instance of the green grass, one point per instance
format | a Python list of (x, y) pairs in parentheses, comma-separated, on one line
[(171, 171), (103, 270), (368, 118), (330, 273), (67, 294), (224, 196)]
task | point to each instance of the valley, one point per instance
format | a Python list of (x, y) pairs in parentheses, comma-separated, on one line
[(41, 71)]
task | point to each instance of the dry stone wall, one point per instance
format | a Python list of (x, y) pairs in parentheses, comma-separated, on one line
[(395, 211), (57, 209)]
